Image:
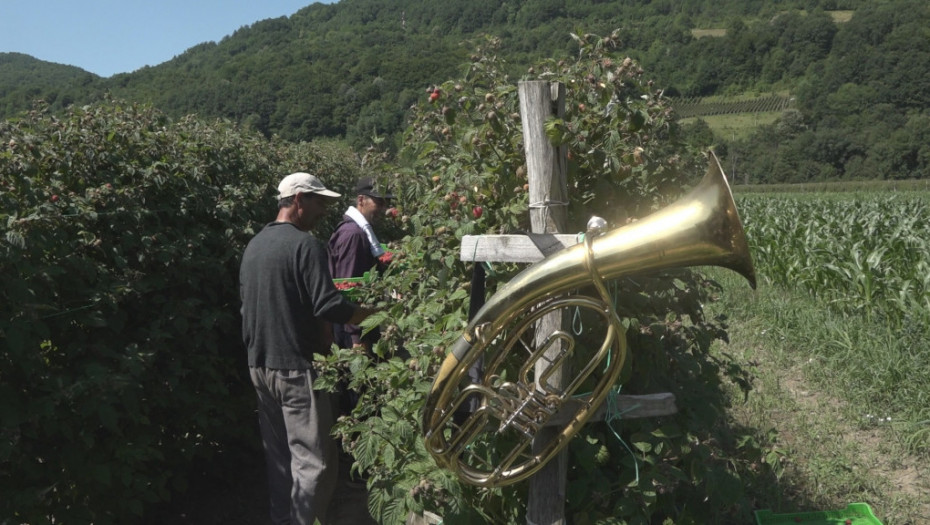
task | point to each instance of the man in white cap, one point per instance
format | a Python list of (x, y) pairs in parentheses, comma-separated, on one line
[(288, 299)]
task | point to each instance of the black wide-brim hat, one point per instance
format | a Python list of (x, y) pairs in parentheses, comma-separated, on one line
[(368, 186)]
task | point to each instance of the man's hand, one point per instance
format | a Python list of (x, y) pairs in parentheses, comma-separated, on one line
[(362, 313)]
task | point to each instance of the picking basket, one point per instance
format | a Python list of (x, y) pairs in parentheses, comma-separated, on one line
[(353, 287)]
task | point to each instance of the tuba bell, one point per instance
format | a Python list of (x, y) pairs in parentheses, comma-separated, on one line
[(484, 430)]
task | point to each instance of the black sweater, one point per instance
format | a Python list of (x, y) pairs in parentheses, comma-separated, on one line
[(286, 289)]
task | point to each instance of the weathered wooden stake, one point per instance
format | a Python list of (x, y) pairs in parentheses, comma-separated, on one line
[(548, 199)]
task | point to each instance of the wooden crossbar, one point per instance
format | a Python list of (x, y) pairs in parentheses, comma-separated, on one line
[(626, 406), (528, 248)]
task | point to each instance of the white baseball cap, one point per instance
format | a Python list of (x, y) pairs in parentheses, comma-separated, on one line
[(301, 182)]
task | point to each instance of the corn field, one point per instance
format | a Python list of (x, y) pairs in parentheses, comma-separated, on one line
[(866, 259), (860, 255)]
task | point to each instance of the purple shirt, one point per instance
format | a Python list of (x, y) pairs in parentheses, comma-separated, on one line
[(350, 256), (350, 251)]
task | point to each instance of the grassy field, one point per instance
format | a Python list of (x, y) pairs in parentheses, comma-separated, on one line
[(701, 33), (841, 16), (838, 16), (838, 339), (734, 117), (736, 125), (832, 450)]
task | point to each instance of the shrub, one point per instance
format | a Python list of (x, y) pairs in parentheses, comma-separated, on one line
[(122, 362)]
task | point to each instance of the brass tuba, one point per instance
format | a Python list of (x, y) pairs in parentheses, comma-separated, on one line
[(484, 430)]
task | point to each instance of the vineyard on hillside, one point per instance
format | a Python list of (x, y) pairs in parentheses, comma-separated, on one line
[(701, 107)]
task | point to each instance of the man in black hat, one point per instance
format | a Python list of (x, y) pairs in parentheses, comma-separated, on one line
[(354, 249)]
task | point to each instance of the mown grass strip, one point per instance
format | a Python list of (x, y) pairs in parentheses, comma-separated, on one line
[(824, 400)]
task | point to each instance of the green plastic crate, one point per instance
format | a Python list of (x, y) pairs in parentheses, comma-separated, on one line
[(853, 514), (353, 294)]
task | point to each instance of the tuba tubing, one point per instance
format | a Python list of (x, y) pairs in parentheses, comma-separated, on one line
[(700, 229)]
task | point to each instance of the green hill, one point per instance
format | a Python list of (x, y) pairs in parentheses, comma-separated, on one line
[(24, 79), (350, 70)]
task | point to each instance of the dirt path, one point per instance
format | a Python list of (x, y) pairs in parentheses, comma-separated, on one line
[(833, 455)]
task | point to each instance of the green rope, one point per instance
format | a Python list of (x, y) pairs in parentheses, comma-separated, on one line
[(577, 325), (613, 413)]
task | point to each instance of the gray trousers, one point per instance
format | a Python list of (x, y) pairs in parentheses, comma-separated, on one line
[(305, 480)]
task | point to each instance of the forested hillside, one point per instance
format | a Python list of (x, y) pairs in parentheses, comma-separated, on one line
[(864, 109), (352, 69), (24, 79)]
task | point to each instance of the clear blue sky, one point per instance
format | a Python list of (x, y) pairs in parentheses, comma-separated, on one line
[(120, 36)]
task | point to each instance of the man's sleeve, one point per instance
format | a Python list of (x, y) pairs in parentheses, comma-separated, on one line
[(328, 303)]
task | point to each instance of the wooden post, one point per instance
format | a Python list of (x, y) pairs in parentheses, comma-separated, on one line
[(548, 199)]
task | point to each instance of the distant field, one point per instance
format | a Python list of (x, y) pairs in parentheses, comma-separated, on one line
[(736, 126), (838, 16), (701, 33), (705, 106), (841, 16), (733, 117), (737, 117)]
